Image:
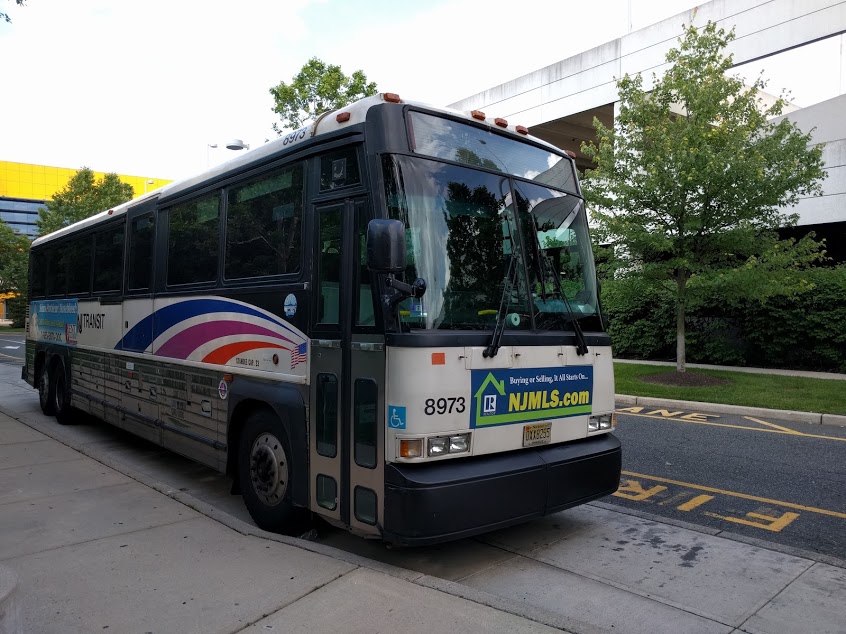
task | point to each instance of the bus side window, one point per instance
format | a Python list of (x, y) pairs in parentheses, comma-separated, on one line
[(57, 277), (140, 264), (39, 273), (193, 240), (263, 225), (108, 260)]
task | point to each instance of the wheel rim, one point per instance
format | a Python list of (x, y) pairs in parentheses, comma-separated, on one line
[(59, 398), (269, 469), (44, 388)]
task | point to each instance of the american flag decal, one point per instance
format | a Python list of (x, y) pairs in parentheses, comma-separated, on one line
[(299, 355)]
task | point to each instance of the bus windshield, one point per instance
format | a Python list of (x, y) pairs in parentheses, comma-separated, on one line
[(462, 231)]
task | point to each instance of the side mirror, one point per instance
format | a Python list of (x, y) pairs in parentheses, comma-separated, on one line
[(386, 246)]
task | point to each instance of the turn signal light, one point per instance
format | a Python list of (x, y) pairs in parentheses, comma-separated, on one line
[(411, 447)]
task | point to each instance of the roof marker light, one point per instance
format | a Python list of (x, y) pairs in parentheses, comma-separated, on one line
[(502, 123), (478, 114), (570, 153), (111, 211), (342, 117), (522, 129), (391, 97)]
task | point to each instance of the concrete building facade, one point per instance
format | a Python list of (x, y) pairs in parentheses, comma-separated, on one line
[(559, 102), (24, 188)]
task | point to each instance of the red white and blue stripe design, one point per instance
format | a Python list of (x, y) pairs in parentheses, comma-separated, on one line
[(215, 330)]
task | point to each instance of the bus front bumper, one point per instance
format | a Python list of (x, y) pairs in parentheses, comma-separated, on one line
[(452, 499)]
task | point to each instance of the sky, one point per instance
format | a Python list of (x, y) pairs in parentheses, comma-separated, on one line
[(145, 87)]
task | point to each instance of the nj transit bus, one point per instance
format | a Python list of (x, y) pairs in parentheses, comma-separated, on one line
[(387, 318)]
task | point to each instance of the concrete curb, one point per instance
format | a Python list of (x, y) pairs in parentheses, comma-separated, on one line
[(789, 416), (10, 614)]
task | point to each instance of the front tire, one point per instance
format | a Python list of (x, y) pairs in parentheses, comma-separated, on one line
[(45, 391), (265, 474)]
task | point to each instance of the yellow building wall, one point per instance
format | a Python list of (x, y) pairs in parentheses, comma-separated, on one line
[(40, 182)]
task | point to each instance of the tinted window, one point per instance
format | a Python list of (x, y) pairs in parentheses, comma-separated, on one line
[(327, 414), (365, 315), (339, 169), (194, 229), (78, 257), (364, 422), (141, 235), (39, 273), (329, 266), (463, 143), (56, 279), (108, 260), (263, 220)]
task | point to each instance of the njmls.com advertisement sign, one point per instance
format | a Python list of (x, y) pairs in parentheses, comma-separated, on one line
[(502, 397)]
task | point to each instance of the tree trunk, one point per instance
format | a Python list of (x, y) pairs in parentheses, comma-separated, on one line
[(681, 280)]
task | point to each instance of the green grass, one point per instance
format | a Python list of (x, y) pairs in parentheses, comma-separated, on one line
[(11, 331), (755, 390)]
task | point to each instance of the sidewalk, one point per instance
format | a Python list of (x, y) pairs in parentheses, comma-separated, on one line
[(95, 550), (97, 546)]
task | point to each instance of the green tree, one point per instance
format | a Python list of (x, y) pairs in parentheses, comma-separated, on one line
[(691, 179), (14, 266), (82, 197), (5, 16), (317, 88)]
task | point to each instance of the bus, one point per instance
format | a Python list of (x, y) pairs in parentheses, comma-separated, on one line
[(388, 318)]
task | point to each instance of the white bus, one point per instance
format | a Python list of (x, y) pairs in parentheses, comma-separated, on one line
[(388, 318)]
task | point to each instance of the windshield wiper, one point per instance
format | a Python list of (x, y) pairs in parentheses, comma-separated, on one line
[(581, 343), (508, 283)]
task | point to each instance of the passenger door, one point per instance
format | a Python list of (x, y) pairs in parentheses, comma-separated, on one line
[(348, 364)]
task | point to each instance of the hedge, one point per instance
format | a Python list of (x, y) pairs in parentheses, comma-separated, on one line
[(803, 332)]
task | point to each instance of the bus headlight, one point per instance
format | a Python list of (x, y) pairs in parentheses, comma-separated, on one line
[(602, 422), (459, 443), (438, 445), (442, 445)]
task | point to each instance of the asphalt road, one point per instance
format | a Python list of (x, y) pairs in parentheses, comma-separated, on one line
[(12, 348), (761, 478)]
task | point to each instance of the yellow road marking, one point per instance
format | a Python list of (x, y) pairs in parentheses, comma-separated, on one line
[(632, 490), (768, 523), (774, 426), (8, 356), (744, 496), (758, 429), (699, 500)]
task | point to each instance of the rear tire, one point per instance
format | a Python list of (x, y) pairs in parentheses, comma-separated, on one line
[(61, 396), (265, 474), (45, 391)]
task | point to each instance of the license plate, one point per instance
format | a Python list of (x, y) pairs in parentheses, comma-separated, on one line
[(539, 434)]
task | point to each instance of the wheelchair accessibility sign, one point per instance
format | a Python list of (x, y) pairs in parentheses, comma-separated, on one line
[(396, 417)]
